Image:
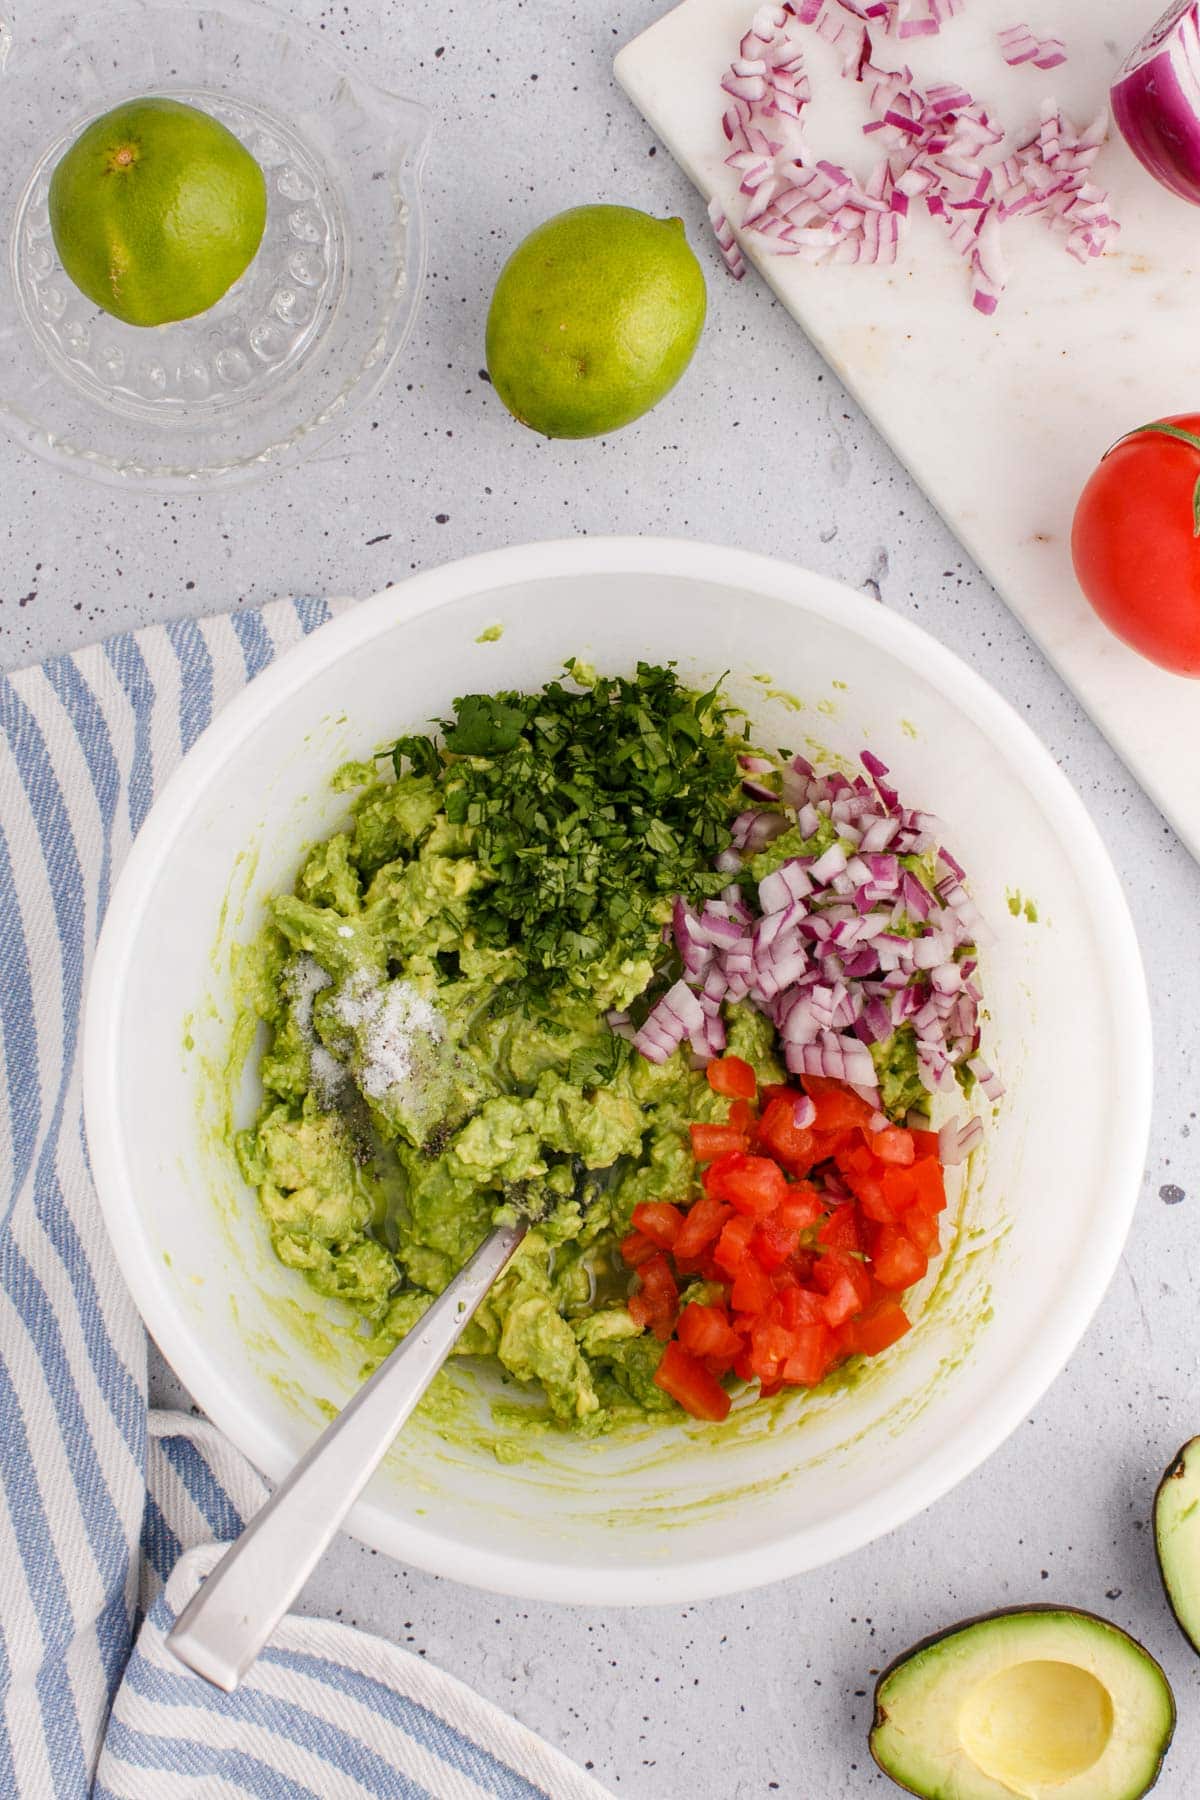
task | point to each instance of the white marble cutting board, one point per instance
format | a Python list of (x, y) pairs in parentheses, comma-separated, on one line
[(1001, 421)]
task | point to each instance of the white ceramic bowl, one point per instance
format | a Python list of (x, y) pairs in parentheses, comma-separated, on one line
[(672, 1513)]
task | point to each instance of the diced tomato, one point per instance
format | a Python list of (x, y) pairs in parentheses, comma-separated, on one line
[(752, 1184), (733, 1244), (833, 1145), (730, 1075), (895, 1260), (899, 1189), (752, 1288), (826, 1269), (743, 1117), (656, 1303), (801, 1207), (871, 1195), (774, 1243), (857, 1159), (712, 1141), (880, 1329), (814, 1349), (837, 1108), (659, 1221), (849, 1295), (688, 1381), (930, 1184), (776, 1090), (779, 1135), (800, 1306), (707, 1332), (636, 1249), (840, 1230), (893, 1146), (701, 1226), (771, 1342), (921, 1228), (792, 1311), (801, 1266)]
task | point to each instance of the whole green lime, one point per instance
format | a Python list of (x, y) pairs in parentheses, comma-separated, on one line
[(595, 318), (156, 211)]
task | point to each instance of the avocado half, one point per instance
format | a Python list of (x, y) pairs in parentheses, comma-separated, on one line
[(1040, 1702), (1177, 1538)]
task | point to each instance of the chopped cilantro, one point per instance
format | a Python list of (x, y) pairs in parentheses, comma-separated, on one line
[(591, 806), (486, 725), (420, 752)]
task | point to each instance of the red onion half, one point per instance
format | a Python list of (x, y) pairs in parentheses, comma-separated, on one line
[(1156, 100)]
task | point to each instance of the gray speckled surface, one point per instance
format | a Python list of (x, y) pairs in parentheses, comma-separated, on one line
[(765, 1693)]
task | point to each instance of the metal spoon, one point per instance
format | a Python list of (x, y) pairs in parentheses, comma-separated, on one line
[(228, 1620)]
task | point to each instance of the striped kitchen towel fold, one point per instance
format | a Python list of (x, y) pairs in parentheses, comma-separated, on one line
[(98, 1506)]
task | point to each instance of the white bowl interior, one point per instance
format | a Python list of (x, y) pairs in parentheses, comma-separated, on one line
[(676, 1511)]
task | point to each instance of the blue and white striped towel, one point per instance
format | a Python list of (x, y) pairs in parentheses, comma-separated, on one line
[(106, 1515)]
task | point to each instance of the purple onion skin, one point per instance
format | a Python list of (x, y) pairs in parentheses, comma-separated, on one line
[(1158, 118)]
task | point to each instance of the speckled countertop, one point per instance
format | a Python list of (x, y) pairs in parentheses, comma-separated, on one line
[(766, 1693)]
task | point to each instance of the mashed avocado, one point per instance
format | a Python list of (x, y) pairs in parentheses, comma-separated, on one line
[(437, 1055), (437, 987)]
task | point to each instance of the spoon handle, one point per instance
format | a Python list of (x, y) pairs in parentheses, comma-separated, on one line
[(228, 1620)]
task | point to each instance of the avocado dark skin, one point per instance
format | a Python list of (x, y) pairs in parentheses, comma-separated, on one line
[(1176, 1471)]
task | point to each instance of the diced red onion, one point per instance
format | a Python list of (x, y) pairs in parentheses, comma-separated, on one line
[(934, 144), (758, 790), (1019, 44), (832, 957), (990, 1082), (956, 1142)]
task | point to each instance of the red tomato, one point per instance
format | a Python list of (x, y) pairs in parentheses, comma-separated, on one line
[(837, 1108), (752, 1288), (895, 1260), (893, 1146), (813, 1354), (656, 1303), (706, 1331), (711, 1141), (792, 1308), (701, 1226), (743, 1117), (780, 1138), (921, 1228), (636, 1249), (1136, 542), (802, 1207), (850, 1293), (733, 1244), (880, 1329), (752, 1184), (731, 1076), (659, 1221), (799, 1306), (930, 1184), (840, 1230), (688, 1381), (774, 1243)]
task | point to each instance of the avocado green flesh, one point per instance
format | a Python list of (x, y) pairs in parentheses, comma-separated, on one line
[(379, 1197), (1040, 1703), (378, 1180), (1177, 1538)]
